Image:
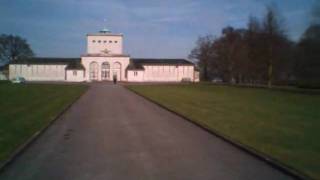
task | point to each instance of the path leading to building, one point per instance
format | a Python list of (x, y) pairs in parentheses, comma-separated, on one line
[(111, 133)]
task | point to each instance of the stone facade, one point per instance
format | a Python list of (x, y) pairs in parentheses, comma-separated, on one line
[(104, 61)]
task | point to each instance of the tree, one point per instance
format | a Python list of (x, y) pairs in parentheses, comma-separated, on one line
[(230, 54), (259, 54), (230, 40), (275, 39), (308, 66), (240, 55), (13, 48), (315, 14), (202, 53), (256, 51)]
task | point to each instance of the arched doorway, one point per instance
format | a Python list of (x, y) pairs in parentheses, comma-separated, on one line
[(116, 71), (94, 71), (105, 71)]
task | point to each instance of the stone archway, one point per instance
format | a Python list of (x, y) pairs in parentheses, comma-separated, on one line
[(116, 71), (93, 71)]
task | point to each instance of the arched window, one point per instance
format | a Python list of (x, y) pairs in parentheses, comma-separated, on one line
[(93, 70), (105, 71), (116, 65)]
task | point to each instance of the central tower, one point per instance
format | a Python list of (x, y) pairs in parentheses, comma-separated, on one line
[(105, 42), (104, 59)]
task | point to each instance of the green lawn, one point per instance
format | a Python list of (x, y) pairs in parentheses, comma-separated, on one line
[(284, 125), (26, 108)]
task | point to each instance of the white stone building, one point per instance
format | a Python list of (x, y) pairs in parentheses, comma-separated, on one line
[(104, 61)]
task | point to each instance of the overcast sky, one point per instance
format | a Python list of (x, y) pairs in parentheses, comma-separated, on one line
[(152, 28)]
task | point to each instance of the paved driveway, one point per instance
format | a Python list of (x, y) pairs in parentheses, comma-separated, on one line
[(111, 133)]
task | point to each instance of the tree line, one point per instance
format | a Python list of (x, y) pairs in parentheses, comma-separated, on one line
[(261, 53)]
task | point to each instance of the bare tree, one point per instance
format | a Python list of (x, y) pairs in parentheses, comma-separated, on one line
[(230, 54), (13, 48), (255, 49), (274, 35), (308, 65), (202, 53), (258, 54)]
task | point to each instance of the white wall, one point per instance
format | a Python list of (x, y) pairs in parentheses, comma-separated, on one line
[(168, 73), (75, 75), (152, 73), (38, 72), (124, 61), (196, 76), (3, 76), (111, 42), (135, 76)]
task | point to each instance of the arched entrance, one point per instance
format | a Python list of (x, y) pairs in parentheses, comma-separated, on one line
[(94, 71), (116, 71), (105, 71)]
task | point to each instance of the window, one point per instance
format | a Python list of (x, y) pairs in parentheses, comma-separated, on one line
[(110, 41), (93, 41), (99, 41), (105, 71), (115, 41), (74, 73), (104, 41), (135, 73), (93, 69)]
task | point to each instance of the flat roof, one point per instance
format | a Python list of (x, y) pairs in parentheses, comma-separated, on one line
[(45, 60), (104, 34), (72, 63), (137, 63), (161, 61), (105, 55), (75, 63)]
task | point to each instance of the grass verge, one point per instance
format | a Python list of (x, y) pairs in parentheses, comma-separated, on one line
[(26, 108), (284, 125)]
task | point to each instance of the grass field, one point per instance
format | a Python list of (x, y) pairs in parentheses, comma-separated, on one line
[(26, 108), (284, 125)]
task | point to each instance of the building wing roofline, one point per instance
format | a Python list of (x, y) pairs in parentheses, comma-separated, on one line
[(45, 60), (161, 61)]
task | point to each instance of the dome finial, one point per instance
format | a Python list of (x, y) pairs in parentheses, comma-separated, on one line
[(105, 30)]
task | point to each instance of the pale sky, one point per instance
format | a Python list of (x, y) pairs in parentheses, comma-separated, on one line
[(151, 28)]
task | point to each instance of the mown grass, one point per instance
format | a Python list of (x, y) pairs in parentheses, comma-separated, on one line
[(283, 125), (26, 108)]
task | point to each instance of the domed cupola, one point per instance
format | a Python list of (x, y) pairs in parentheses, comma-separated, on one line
[(105, 31)]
